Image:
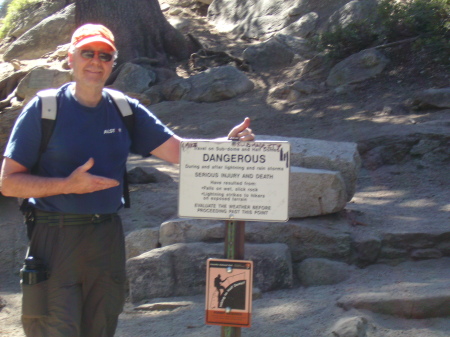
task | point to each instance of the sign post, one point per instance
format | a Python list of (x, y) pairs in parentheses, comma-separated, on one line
[(234, 249), (234, 239), (233, 181)]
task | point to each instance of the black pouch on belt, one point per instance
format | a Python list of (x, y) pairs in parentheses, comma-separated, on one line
[(29, 217)]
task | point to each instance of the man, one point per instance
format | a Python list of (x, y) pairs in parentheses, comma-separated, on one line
[(76, 192)]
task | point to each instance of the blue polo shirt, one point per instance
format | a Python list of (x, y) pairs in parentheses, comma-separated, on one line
[(81, 133)]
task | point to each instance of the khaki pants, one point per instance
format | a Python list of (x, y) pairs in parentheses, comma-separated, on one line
[(85, 291)]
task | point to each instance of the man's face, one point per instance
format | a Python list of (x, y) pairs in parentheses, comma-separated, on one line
[(88, 68)]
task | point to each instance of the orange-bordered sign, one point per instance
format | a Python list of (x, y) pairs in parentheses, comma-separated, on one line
[(229, 285)]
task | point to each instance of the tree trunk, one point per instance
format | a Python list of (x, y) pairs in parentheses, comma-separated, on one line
[(139, 27)]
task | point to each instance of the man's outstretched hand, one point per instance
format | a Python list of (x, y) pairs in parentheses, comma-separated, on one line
[(242, 132), (81, 181)]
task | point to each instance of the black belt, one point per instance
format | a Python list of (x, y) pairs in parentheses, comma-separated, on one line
[(68, 219)]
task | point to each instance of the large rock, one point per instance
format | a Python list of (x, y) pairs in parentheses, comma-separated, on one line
[(212, 85), (366, 248), (357, 67), (147, 175), (180, 269), (432, 98), (7, 120), (272, 266), (350, 327), (306, 238), (41, 78), (9, 79), (269, 54), (405, 245), (235, 16), (289, 93), (6, 72), (34, 15), (298, 45), (430, 149), (318, 272), (134, 78), (315, 192), (355, 11), (190, 231), (326, 155), (256, 19), (303, 27), (44, 37), (141, 241)]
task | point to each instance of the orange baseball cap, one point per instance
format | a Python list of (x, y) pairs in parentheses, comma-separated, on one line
[(89, 33)]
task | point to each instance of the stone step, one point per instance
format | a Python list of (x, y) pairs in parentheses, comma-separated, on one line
[(332, 237), (406, 305), (413, 290)]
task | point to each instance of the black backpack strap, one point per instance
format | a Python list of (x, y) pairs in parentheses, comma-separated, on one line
[(126, 112), (48, 119)]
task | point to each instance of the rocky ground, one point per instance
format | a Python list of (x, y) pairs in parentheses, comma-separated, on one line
[(408, 196)]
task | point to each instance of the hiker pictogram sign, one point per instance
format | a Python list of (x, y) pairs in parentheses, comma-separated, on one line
[(229, 292)]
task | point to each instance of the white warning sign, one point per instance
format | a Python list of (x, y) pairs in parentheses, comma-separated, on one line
[(234, 180)]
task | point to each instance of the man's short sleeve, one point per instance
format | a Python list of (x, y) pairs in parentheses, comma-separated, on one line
[(25, 139), (149, 132)]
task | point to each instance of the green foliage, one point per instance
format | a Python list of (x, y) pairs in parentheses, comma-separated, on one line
[(15, 8), (413, 18), (428, 20), (344, 41)]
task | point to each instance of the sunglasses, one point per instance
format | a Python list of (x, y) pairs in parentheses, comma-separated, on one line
[(89, 54)]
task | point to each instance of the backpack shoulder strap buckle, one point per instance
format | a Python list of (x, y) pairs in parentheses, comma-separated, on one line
[(48, 99)]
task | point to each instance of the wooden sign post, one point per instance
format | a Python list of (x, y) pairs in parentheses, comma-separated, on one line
[(234, 249), (234, 239)]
